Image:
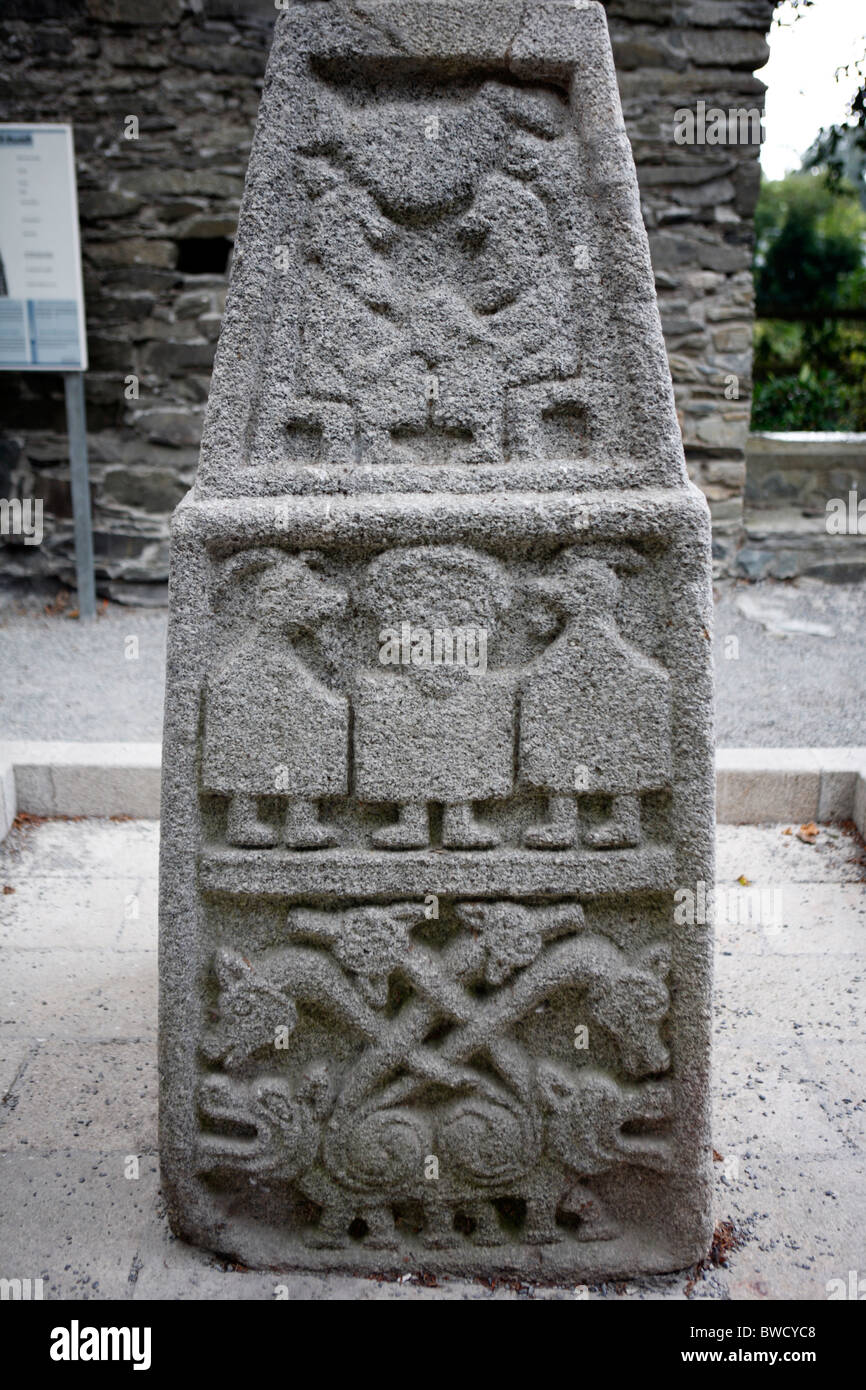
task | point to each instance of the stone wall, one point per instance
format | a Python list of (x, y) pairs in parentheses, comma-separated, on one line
[(158, 216)]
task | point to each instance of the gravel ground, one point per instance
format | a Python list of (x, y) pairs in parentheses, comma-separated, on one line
[(790, 666)]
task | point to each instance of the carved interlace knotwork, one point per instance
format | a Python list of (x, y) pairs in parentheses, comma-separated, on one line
[(445, 1111)]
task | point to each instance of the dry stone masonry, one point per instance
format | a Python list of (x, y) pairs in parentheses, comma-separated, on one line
[(159, 214), (438, 724)]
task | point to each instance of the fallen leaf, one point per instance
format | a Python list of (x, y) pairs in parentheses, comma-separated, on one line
[(7, 888), (808, 833), (717, 1157), (744, 881)]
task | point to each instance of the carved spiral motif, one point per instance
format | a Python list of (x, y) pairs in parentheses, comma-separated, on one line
[(489, 1141), (383, 1148)]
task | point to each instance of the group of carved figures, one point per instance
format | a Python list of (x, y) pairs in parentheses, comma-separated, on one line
[(441, 1115), (590, 716)]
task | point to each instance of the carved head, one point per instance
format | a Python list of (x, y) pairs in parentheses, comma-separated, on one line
[(450, 590), (507, 229), (422, 151), (577, 586), (585, 1114), (282, 589), (251, 1010), (633, 1006), (509, 938)]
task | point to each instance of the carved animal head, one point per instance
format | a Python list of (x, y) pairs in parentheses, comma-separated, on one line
[(632, 1005), (369, 941), (507, 937), (287, 1128), (586, 1113), (251, 1010)]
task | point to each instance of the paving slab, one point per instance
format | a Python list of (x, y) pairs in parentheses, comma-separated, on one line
[(71, 849), (13, 1059), (78, 994), (75, 1221), (77, 1095), (37, 913), (768, 855)]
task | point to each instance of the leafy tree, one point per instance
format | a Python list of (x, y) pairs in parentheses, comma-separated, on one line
[(810, 236), (841, 149), (810, 280)]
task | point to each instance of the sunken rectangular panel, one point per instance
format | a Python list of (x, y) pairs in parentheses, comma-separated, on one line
[(441, 266)]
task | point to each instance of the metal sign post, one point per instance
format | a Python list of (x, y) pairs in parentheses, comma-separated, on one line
[(80, 486), (42, 297)]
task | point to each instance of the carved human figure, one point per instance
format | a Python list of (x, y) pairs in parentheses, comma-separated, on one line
[(359, 379), (432, 723), (272, 728), (433, 287), (516, 328), (594, 715)]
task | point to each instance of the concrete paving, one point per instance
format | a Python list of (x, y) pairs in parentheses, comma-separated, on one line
[(790, 669), (79, 1195)]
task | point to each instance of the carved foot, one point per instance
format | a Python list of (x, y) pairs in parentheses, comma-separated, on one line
[(488, 1229), (330, 1234), (380, 1228), (540, 1227), (596, 1222), (439, 1232), (460, 829), (622, 830), (411, 830), (485, 453), (304, 830), (560, 832), (550, 837), (244, 828)]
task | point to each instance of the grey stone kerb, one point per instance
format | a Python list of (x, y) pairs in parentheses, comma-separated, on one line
[(438, 721)]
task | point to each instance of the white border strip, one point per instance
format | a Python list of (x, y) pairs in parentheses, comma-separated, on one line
[(753, 785)]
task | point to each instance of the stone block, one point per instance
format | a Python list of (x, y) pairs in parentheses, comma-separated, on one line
[(85, 779), (8, 800), (438, 723), (772, 784)]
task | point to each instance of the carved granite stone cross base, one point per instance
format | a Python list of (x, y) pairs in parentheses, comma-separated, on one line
[(438, 723)]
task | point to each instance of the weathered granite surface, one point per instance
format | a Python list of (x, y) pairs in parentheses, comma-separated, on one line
[(423, 1001), (159, 214)]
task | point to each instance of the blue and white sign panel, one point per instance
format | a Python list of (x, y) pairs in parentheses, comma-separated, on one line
[(41, 293)]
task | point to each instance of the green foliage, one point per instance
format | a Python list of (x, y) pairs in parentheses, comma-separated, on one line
[(839, 149), (810, 233), (810, 365)]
